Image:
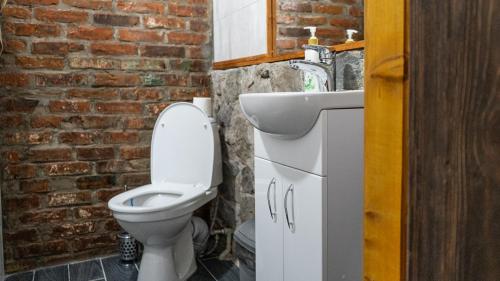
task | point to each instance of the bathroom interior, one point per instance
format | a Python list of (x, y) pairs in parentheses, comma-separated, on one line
[(243, 140)]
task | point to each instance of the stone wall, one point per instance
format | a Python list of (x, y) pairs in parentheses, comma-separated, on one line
[(81, 84), (236, 200), (332, 17)]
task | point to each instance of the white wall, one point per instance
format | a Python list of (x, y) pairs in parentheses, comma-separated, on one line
[(240, 29)]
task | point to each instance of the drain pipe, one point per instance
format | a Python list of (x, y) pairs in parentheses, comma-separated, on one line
[(200, 235), (229, 237)]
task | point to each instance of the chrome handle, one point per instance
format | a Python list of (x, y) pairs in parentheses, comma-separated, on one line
[(273, 214), (290, 223)]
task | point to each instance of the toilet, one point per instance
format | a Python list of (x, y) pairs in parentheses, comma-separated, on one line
[(186, 169)]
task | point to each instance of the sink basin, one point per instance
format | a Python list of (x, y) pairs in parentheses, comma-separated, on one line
[(293, 114)]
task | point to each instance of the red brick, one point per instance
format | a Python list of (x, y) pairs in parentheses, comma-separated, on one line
[(27, 138), (199, 26), (24, 235), (356, 11), (71, 229), (296, 7), (18, 105), (11, 121), (43, 216), (293, 31), (93, 212), (190, 65), (140, 7), (12, 156), (285, 19), (112, 225), (312, 20), (34, 186), (200, 80), (69, 106), (33, 30), (140, 36), (330, 32), (94, 242), (142, 94), (114, 166), (286, 43), (117, 80), (90, 33), (95, 182), (13, 79), (55, 48), (134, 152), (186, 38), (196, 52), (120, 137), (93, 63), (328, 9), (345, 22), (90, 4), (163, 51), (140, 123), (105, 195), (39, 249), (56, 15), (35, 2), (156, 108), (46, 121), (95, 153), (38, 62), (116, 20), (134, 180), (49, 154), (27, 202), (68, 168), (113, 49), (187, 11), (94, 94), (176, 80), (183, 94), (16, 12), (58, 80), (93, 122), (21, 171), (80, 138), (68, 198), (198, 2), (143, 64), (119, 107), (164, 22), (14, 46)]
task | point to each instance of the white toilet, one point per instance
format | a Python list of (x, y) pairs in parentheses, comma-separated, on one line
[(185, 172)]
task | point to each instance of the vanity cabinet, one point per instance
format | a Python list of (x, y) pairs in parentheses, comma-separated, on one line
[(309, 201)]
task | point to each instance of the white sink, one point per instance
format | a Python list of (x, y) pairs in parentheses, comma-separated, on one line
[(294, 114)]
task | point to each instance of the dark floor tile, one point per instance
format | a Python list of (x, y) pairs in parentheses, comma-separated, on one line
[(201, 274), (58, 273), (222, 270), (84, 271), (116, 271), (23, 276)]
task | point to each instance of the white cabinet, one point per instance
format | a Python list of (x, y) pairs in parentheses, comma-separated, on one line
[(289, 227), (309, 201)]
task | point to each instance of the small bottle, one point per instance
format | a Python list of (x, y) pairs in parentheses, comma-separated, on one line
[(350, 33), (311, 82)]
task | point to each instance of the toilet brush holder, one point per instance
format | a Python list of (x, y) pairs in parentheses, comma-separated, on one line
[(128, 247)]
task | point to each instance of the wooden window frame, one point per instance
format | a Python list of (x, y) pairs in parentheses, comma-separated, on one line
[(272, 54)]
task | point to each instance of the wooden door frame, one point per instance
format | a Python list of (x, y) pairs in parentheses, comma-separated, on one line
[(386, 139)]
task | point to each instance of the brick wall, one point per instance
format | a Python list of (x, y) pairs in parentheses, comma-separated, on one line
[(81, 83), (332, 17)]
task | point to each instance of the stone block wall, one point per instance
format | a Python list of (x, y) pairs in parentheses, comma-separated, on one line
[(332, 17), (81, 84), (236, 194)]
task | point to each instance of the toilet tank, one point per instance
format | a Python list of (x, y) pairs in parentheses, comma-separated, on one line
[(185, 147)]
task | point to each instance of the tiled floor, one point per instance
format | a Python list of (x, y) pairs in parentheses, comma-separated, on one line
[(110, 269)]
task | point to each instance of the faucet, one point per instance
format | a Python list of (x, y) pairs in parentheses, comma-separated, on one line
[(324, 70)]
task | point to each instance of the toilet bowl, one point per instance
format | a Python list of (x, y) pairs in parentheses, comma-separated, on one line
[(186, 169)]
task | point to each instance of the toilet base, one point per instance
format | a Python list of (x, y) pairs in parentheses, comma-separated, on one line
[(158, 262)]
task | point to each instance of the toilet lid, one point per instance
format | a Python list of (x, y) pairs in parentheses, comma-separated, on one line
[(182, 149)]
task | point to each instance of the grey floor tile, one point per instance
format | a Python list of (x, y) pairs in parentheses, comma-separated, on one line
[(58, 273), (222, 270), (201, 275), (116, 271), (85, 271), (23, 276)]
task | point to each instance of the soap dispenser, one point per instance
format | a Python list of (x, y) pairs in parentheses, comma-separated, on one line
[(311, 82), (350, 33)]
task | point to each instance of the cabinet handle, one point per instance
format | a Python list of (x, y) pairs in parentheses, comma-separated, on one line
[(290, 223), (273, 214)]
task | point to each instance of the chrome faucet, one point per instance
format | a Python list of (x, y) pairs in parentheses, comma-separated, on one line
[(325, 70)]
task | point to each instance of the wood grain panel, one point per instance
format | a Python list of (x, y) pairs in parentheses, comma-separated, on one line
[(455, 141), (386, 109)]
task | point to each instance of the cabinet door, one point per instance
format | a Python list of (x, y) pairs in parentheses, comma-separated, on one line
[(304, 197), (268, 221)]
